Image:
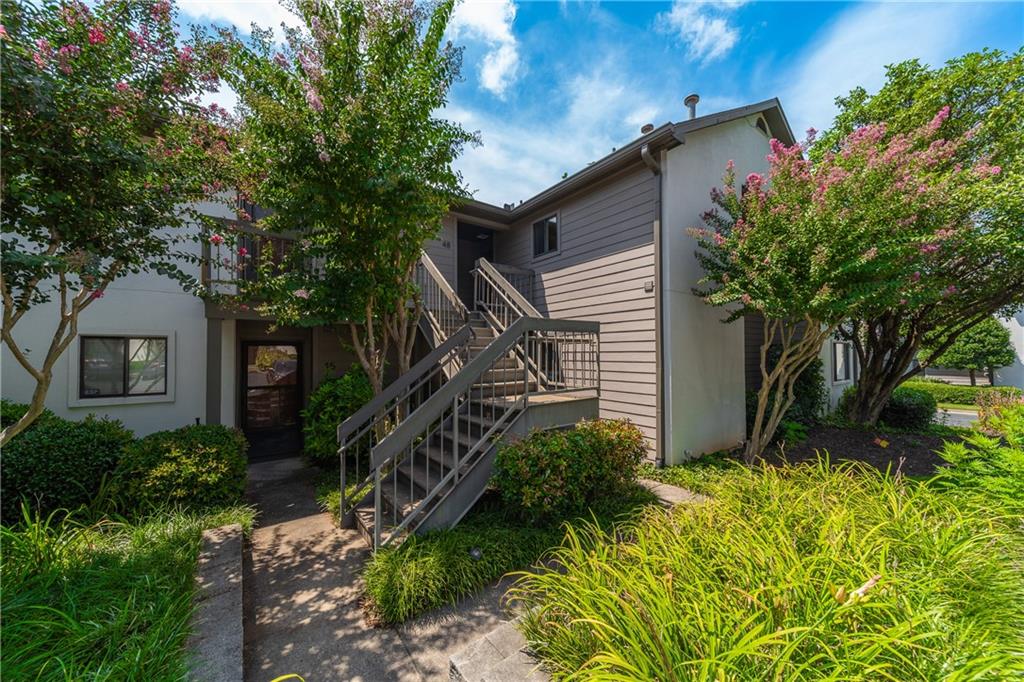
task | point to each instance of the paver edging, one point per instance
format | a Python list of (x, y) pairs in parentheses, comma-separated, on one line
[(216, 644)]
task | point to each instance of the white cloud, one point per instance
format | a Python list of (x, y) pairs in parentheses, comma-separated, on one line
[(241, 13), (520, 157), (856, 47), (490, 21), (704, 27)]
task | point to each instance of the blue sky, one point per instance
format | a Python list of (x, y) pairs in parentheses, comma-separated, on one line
[(553, 85)]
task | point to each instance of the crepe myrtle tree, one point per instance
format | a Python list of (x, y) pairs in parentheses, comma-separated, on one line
[(811, 245), (341, 143), (982, 348), (983, 259), (104, 149)]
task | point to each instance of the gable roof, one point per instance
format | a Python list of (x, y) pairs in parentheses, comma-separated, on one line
[(666, 136)]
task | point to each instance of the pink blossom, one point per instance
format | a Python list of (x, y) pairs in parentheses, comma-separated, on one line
[(915, 277), (730, 166), (160, 10), (301, 293), (98, 293), (185, 57), (243, 252), (929, 248), (319, 139), (3, 32), (324, 157), (871, 253), (812, 133), (122, 87), (96, 36), (313, 99), (983, 169), (281, 60), (939, 119), (950, 290), (216, 239), (754, 180), (746, 299), (719, 239), (903, 301), (115, 111)]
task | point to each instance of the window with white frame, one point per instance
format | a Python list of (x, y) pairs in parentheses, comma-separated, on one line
[(842, 361), (545, 236), (122, 366)]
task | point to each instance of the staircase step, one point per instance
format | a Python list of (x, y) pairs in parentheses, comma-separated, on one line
[(424, 472), (506, 388)]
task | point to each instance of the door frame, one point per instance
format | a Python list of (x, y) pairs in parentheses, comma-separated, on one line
[(243, 383)]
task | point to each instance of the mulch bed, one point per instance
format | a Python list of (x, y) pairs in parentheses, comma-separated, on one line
[(913, 454)]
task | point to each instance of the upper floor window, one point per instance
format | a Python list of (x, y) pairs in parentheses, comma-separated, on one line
[(121, 366), (545, 236), (842, 361)]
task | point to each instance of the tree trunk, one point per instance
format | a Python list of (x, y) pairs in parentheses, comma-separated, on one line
[(991, 376), (974, 380)]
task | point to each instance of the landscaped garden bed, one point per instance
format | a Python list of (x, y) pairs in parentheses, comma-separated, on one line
[(543, 484), (101, 534), (809, 571)]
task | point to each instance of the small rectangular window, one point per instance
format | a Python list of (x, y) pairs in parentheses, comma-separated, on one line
[(121, 366), (842, 360), (545, 236)]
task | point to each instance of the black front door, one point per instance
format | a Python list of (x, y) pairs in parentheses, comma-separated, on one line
[(271, 399), (474, 242)]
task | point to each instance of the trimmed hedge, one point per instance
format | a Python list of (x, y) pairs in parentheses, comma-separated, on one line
[(960, 395), (200, 466), (58, 463), (559, 474), (909, 408)]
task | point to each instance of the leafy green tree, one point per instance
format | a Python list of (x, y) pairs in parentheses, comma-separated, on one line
[(810, 245), (982, 348), (984, 265), (341, 144), (104, 152)]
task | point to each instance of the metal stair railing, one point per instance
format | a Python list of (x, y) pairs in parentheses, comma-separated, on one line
[(367, 426), (443, 312), (473, 395), (496, 298)]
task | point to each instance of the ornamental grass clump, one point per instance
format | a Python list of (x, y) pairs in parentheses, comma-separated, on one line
[(808, 572)]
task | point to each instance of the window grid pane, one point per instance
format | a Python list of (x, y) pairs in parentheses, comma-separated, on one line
[(147, 366), (102, 363)]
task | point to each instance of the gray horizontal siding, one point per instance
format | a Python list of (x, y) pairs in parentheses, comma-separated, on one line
[(606, 254), (442, 249)]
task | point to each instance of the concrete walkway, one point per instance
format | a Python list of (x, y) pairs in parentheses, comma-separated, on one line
[(302, 597)]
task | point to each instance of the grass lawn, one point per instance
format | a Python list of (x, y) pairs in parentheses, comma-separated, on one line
[(805, 572), (104, 601), (441, 567), (957, 406)]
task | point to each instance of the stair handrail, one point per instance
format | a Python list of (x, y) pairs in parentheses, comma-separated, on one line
[(504, 288), (357, 433), (419, 425), (442, 308)]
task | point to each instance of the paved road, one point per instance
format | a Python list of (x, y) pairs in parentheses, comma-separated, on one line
[(303, 590), (957, 417)]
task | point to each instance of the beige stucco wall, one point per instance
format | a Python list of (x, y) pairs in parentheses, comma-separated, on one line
[(144, 304), (1014, 374), (704, 358)]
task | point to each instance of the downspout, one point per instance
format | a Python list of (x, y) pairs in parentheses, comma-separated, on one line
[(659, 412)]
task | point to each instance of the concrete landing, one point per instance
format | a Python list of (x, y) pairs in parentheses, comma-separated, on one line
[(671, 495)]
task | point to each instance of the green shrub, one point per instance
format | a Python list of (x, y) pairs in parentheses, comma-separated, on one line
[(57, 463), (106, 601), (810, 395), (909, 408), (993, 466), (810, 572), (12, 412), (198, 466), (333, 401), (959, 395), (558, 474)]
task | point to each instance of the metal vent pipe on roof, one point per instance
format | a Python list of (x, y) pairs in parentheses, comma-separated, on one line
[(691, 103)]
